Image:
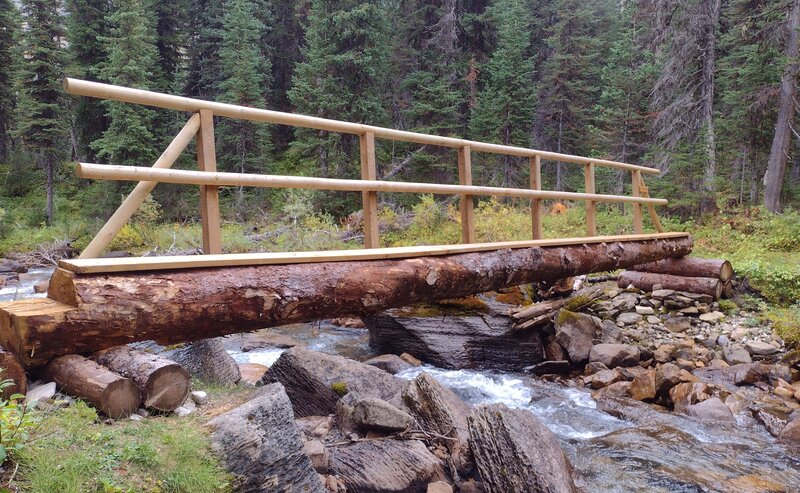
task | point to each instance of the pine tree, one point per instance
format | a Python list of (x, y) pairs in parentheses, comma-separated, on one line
[(132, 58), (171, 38), (40, 123), (8, 24), (504, 111), (343, 76), (86, 27), (244, 146), (205, 42)]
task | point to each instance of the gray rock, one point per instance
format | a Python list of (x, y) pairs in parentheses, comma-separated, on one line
[(41, 392), (315, 381), (261, 445), (386, 465), (377, 414), (711, 409), (677, 324), (652, 319), (735, 355), (182, 411), (758, 348), (611, 333), (629, 318), (712, 317), (514, 451), (723, 340), (645, 310), (390, 363), (613, 355), (199, 397), (661, 294), (318, 455), (575, 332), (135, 417)]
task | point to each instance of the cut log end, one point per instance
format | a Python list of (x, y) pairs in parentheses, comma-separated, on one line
[(120, 398), (167, 388)]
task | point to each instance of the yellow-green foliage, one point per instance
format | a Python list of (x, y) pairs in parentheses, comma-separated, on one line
[(340, 388), (786, 322), (74, 452)]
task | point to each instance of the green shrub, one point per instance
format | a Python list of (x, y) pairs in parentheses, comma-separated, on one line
[(17, 420)]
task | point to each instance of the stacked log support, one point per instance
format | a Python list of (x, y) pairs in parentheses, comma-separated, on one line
[(645, 281), (116, 396), (690, 267), (163, 384), (692, 274)]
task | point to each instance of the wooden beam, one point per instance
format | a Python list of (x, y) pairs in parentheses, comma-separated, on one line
[(188, 177), (651, 209), (102, 265), (638, 226), (209, 193), (536, 203), (150, 98), (130, 205), (369, 199), (466, 202), (591, 212)]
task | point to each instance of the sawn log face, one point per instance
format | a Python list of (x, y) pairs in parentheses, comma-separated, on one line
[(184, 305)]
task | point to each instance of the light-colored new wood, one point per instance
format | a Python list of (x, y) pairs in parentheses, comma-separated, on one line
[(132, 202), (591, 212), (209, 193), (87, 266), (466, 202), (638, 226), (369, 199), (150, 98), (188, 177), (650, 207), (536, 203)]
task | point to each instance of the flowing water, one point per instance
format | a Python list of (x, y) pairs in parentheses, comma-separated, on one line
[(17, 290), (620, 448)]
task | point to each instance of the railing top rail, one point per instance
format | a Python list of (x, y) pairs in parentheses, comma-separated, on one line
[(150, 98)]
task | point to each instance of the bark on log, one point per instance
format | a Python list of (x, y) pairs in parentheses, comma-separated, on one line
[(96, 311), (645, 281), (116, 396), (162, 383), (690, 267), (11, 369), (209, 361)]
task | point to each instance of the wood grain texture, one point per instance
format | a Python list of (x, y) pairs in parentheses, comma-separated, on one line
[(466, 202), (690, 267), (369, 199), (645, 281), (209, 194)]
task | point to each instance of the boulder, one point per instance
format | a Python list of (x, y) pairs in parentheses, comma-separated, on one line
[(611, 334), (758, 348), (592, 368), (386, 465), (619, 389), (252, 373), (735, 355), (667, 376), (790, 435), (677, 324), (318, 455), (711, 409), (315, 381), (643, 386), (207, 360), (773, 419), (315, 426), (604, 378), (377, 414), (40, 392), (553, 350), (613, 355), (575, 332), (266, 338), (261, 446), (686, 394), (515, 452), (664, 353), (390, 363), (8, 265), (629, 318), (439, 410)]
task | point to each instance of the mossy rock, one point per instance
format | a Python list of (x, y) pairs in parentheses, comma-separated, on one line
[(340, 388)]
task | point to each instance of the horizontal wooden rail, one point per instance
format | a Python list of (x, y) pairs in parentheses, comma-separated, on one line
[(88, 266), (160, 100), (187, 177)]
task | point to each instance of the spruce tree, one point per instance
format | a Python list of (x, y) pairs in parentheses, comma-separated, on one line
[(41, 125), (205, 43), (86, 27), (504, 109), (243, 145), (171, 38), (8, 24), (132, 57)]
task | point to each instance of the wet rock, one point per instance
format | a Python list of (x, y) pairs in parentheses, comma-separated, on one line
[(477, 342), (686, 394), (594, 367), (386, 465), (758, 348), (613, 355), (8, 265), (575, 332), (677, 324), (411, 360), (643, 386), (773, 419), (349, 322), (604, 378), (790, 435), (619, 389), (377, 414), (319, 456), (629, 318), (553, 350), (514, 451), (390, 363), (207, 360), (735, 355), (266, 338), (439, 410), (711, 409), (712, 317), (262, 447), (251, 373), (549, 368), (315, 381), (41, 287), (611, 334)]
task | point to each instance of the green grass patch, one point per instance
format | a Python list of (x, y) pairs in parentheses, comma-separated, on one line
[(75, 452)]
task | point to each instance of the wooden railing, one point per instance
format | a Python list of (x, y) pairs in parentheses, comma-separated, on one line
[(201, 126)]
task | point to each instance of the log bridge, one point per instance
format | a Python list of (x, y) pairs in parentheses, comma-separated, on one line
[(95, 303)]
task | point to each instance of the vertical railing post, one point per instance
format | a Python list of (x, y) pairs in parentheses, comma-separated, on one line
[(536, 204), (636, 184), (591, 212), (209, 195), (369, 200), (467, 205)]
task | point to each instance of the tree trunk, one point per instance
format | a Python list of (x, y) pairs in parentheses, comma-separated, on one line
[(776, 166), (48, 173), (180, 305), (645, 281), (690, 267), (116, 396), (163, 383), (11, 369), (708, 203)]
